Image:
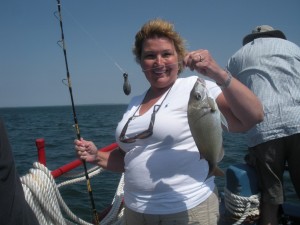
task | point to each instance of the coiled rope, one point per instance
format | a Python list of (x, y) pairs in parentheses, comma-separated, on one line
[(42, 194), (240, 206)]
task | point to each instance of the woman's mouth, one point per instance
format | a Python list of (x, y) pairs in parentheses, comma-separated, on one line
[(159, 70)]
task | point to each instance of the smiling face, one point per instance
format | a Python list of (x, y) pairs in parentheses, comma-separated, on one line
[(159, 61)]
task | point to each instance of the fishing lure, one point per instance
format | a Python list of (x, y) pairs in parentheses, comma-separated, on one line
[(126, 85)]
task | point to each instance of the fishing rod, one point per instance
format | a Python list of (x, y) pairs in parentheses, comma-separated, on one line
[(95, 214)]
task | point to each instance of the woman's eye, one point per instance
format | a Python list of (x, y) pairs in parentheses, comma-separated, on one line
[(164, 55), (167, 55), (149, 56)]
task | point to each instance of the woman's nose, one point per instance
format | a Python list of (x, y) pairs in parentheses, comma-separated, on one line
[(159, 60)]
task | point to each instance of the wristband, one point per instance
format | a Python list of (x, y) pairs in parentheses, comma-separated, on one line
[(227, 82)]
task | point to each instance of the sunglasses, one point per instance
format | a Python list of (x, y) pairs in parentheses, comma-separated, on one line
[(145, 134)]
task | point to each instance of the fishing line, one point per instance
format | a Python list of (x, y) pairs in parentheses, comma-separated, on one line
[(126, 84), (166, 66), (95, 214)]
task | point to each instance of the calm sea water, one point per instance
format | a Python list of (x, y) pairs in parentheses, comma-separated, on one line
[(97, 123)]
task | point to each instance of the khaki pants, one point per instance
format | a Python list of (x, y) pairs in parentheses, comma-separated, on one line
[(206, 213)]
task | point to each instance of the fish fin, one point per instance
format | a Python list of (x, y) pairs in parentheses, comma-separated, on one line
[(224, 121), (218, 172), (212, 103), (221, 155)]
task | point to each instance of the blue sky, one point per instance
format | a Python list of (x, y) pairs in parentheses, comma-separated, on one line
[(99, 34)]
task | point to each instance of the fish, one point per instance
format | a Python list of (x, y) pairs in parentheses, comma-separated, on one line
[(205, 122)]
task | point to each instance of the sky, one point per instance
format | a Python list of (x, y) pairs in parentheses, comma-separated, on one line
[(99, 36)]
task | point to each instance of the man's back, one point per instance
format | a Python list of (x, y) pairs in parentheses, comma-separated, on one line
[(270, 68)]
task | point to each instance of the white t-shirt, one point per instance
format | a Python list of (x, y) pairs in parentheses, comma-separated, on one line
[(164, 173)]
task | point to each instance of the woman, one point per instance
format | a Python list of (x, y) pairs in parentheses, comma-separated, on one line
[(165, 182)]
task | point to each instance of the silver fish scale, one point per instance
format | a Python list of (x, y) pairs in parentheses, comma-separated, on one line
[(204, 119)]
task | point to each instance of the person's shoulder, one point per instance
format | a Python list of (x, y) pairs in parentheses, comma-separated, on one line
[(138, 98), (272, 40), (187, 80), (292, 44), (282, 45), (183, 84), (192, 79)]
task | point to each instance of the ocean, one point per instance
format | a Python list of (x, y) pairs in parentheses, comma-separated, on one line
[(96, 122)]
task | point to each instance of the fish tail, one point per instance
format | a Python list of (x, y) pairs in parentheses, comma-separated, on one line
[(218, 172), (215, 172)]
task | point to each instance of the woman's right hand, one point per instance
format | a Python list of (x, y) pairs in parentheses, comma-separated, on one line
[(86, 150)]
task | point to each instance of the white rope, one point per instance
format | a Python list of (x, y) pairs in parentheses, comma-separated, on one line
[(43, 196), (80, 174), (241, 206), (113, 213), (79, 177)]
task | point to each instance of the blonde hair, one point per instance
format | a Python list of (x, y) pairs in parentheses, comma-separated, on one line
[(159, 28)]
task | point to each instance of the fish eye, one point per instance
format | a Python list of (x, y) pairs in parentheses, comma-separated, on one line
[(198, 96)]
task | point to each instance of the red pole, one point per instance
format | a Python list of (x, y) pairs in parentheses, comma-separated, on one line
[(109, 147), (40, 144), (66, 168)]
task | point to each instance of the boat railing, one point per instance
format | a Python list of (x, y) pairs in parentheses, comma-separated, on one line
[(42, 192), (40, 144)]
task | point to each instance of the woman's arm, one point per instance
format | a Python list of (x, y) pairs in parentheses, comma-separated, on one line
[(241, 108), (113, 160)]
